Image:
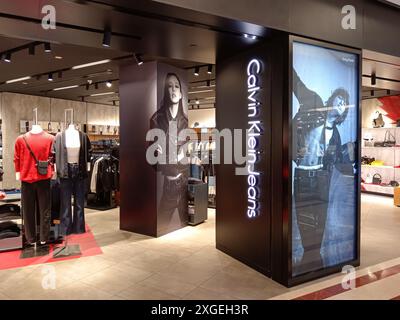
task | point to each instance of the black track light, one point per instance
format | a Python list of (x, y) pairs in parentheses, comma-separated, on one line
[(196, 71), (372, 93), (96, 85), (50, 77), (138, 59), (87, 86), (209, 69), (47, 47), (373, 78), (208, 83), (114, 103), (31, 50), (6, 57), (107, 38), (197, 101), (82, 98)]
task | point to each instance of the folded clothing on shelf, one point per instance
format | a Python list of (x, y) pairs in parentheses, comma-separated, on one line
[(9, 211), (9, 229)]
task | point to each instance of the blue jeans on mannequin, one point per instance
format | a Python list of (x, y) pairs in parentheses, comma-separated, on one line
[(72, 221)]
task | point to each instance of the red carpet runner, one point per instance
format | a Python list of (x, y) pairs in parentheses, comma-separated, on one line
[(86, 241)]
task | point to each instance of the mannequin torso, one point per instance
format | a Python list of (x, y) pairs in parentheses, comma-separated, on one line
[(72, 143)]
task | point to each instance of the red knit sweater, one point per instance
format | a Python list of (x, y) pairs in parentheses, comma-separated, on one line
[(41, 145)]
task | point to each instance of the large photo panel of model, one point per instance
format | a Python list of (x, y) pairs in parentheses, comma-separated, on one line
[(172, 176), (325, 101)]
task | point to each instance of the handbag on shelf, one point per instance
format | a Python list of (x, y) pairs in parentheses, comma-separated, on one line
[(394, 183), (367, 160), (378, 121), (377, 179), (368, 178), (390, 139)]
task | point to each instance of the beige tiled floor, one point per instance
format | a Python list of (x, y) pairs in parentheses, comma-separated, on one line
[(181, 265)]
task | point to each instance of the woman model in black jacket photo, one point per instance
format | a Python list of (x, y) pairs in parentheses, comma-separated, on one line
[(172, 120)]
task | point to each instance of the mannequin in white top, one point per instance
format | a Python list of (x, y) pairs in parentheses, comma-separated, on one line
[(72, 143), (36, 129)]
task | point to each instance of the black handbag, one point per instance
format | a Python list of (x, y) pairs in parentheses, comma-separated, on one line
[(41, 166), (377, 179), (394, 183)]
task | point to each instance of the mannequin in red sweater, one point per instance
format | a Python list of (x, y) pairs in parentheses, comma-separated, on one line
[(35, 187)]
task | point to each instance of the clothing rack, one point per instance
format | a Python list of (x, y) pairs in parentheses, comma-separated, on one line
[(101, 193)]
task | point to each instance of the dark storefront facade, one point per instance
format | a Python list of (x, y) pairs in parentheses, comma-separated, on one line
[(267, 58)]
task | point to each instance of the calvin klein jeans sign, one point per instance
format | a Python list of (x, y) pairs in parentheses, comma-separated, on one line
[(254, 131)]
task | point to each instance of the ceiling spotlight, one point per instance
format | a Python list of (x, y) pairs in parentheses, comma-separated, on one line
[(107, 38), (6, 57), (373, 78), (196, 71), (82, 98), (209, 69), (58, 57), (249, 36), (197, 101), (109, 84), (96, 85), (114, 103), (47, 47), (372, 93), (138, 59), (31, 50), (87, 86), (208, 83), (50, 77)]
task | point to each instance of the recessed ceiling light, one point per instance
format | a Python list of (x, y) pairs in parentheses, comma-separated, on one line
[(18, 79), (101, 94), (58, 57), (90, 64), (65, 88)]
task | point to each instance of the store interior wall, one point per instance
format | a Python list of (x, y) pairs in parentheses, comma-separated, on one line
[(16, 107), (369, 108), (204, 118)]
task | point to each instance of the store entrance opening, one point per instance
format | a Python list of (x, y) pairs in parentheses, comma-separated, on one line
[(380, 158), (61, 106)]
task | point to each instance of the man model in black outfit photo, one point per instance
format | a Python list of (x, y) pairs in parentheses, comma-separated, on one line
[(318, 155)]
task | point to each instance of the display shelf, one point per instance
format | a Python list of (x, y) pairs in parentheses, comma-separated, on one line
[(379, 167), (389, 148), (375, 188)]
